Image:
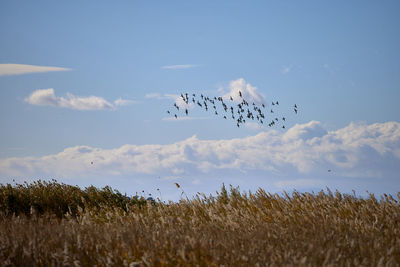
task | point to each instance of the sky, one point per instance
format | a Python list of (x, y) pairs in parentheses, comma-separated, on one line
[(85, 87)]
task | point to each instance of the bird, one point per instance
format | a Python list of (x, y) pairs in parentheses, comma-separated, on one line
[(91, 162), (245, 109), (329, 170)]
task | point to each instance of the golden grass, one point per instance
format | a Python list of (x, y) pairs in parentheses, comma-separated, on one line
[(230, 229)]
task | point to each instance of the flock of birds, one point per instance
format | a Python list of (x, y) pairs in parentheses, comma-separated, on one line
[(239, 113)]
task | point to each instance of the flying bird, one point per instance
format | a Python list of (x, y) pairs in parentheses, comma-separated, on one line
[(252, 111)]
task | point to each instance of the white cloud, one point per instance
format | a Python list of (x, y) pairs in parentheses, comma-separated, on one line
[(18, 69), (249, 93), (123, 102), (357, 150), (177, 98), (47, 97), (184, 66), (154, 95)]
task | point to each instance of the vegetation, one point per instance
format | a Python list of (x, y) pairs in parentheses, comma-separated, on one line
[(45, 224)]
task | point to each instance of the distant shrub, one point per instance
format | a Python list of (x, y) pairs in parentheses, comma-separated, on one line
[(58, 199)]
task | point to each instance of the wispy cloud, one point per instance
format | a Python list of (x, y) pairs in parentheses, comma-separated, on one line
[(183, 66), (18, 69), (47, 97), (286, 69), (177, 98)]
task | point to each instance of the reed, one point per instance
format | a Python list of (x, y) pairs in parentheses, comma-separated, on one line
[(104, 228)]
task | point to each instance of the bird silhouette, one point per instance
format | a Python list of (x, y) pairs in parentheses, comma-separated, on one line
[(243, 109)]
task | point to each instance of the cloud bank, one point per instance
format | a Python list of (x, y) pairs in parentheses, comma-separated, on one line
[(356, 151), (47, 97), (18, 69)]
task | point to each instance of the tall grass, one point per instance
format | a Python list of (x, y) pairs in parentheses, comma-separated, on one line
[(229, 229)]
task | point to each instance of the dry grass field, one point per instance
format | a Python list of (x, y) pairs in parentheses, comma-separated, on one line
[(52, 224)]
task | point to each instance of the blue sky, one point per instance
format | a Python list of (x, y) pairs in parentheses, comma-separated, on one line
[(83, 82)]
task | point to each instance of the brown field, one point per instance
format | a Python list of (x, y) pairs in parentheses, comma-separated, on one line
[(44, 224)]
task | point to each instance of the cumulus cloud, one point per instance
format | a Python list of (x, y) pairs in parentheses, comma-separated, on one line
[(249, 93), (358, 150), (47, 97), (174, 67), (18, 69)]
